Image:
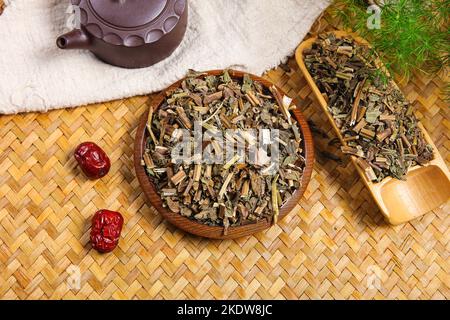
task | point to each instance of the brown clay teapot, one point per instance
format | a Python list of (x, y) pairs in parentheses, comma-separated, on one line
[(128, 33)]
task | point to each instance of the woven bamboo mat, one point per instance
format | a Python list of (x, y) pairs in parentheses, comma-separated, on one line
[(335, 245)]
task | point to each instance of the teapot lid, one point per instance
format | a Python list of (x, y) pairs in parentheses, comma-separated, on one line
[(129, 23)]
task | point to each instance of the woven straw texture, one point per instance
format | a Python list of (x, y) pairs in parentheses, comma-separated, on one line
[(336, 245)]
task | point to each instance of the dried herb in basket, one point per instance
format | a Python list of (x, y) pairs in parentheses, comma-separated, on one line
[(243, 188), (376, 121)]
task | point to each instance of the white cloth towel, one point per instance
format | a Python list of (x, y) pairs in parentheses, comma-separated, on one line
[(251, 35)]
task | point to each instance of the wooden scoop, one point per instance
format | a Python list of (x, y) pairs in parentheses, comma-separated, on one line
[(426, 188)]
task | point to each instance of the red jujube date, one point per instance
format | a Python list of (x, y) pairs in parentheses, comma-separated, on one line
[(106, 229), (93, 160)]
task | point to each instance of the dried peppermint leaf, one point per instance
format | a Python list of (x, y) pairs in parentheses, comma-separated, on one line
[(376, 120), (234, 192)]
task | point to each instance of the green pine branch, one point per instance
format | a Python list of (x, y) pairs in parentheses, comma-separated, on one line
[(414, 34)]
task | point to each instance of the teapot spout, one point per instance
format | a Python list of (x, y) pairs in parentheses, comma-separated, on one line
[(76, 39)]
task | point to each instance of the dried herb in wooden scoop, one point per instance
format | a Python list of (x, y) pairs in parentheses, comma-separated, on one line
[(224, 151), (375, 119)]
